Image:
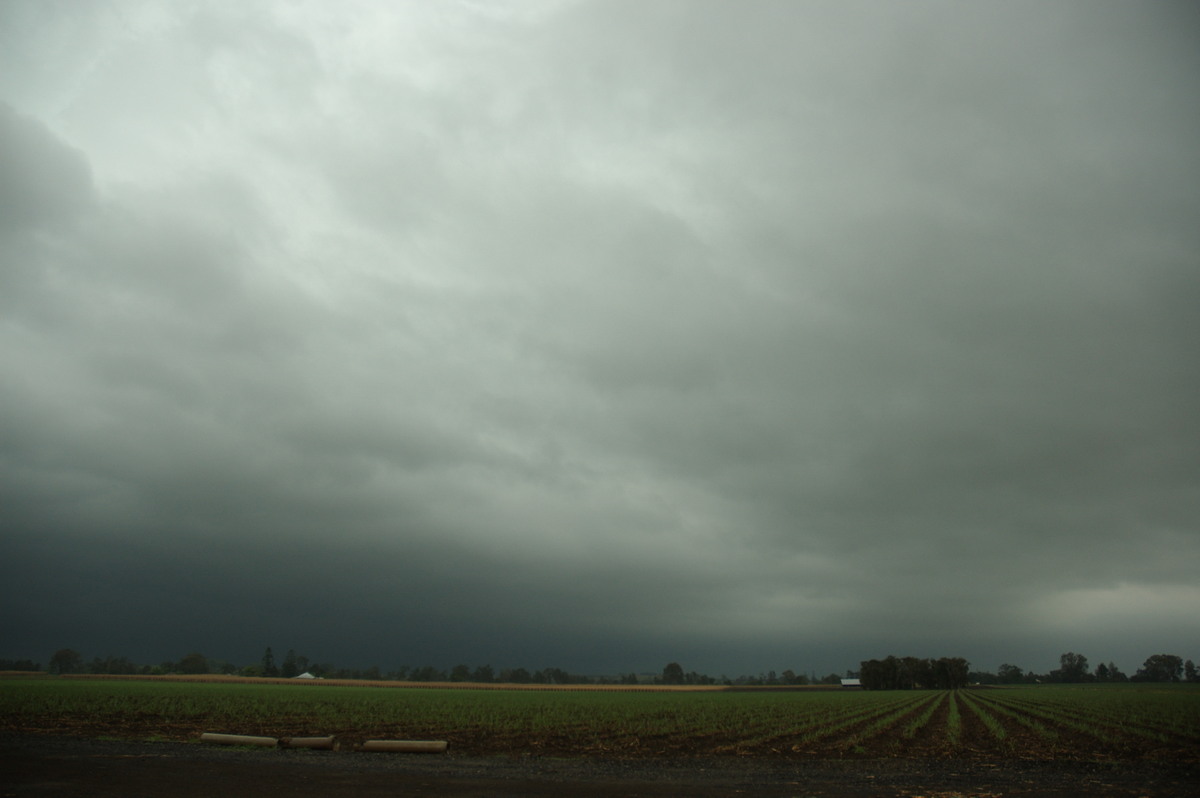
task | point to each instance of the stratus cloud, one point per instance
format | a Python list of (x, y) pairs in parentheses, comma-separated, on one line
[(772, 331)]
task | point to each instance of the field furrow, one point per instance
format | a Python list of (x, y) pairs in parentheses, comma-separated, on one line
[(830, 733), (1030, 723)]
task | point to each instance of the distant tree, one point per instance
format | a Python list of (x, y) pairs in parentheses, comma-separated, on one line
[(951, 673), (268, 663), (909, 673), (19, 665), (1189, 671), (918, 673), (516, 676), (1109, 672), (894, 673), (672, 673), (1009, 674), (483, 674), (629, 678), (983, 677), (552, 676), (790, 677), (427, 673), (194, 663), (114, 665), (460, 673), (1160, 668), (290, 668), (1073, 668), (66, 660), (879, 674)]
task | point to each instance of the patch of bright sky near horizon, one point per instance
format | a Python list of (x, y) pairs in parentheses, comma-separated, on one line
[(599, 335)]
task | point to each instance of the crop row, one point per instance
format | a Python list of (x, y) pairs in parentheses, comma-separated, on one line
[(1029, 722), (1091, 724), (1085, 721)]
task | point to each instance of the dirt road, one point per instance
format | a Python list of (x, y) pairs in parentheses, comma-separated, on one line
[(68, 767)]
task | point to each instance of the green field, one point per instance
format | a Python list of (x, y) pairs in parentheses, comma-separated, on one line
[(1116, 723)]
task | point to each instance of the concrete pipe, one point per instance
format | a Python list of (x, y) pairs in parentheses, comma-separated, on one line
[(406, 746), (319, 743), (238, 739)]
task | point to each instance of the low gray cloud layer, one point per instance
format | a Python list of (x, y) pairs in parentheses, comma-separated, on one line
[(600, 334)]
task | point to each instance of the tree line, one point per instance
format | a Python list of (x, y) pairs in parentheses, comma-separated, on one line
[(890, 673), (911, 673), (908, 673), (1073, 669), (292, 664)]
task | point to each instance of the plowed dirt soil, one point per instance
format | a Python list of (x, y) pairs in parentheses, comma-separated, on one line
[(37, 765)]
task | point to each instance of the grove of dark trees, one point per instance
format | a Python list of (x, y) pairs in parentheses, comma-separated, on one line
[(911, 673)]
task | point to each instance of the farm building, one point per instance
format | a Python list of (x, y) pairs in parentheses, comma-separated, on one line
[(851, 683)]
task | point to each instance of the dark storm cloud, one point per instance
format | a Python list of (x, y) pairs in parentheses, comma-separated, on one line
[(600, 335), (44, 181)]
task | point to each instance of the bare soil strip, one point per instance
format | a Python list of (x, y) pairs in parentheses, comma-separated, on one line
[(75, 768)]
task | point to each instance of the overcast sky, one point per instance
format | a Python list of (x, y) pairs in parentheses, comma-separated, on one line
[(599, 335)]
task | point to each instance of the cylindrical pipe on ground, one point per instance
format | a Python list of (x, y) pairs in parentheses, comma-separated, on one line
[(322, 743), (406, 746), (238, 739)]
